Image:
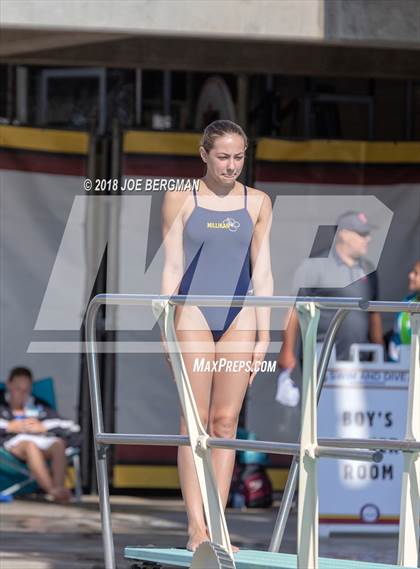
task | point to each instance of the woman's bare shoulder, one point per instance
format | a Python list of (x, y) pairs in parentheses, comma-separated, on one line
[(259, 197), (177, 206), (175, 201), (257, 193)]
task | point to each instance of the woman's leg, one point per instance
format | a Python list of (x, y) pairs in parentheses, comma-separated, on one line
[(30, 453), (56, 455), (229, 389), (201, 382)]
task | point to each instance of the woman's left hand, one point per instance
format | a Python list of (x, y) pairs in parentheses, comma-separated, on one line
[(34, 426), (258, 356)]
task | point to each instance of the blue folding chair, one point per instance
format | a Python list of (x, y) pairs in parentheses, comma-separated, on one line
[(15, 477)]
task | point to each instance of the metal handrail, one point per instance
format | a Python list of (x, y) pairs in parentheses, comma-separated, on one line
[(326, 447), (331, 303), (102, 439), (380, 444)]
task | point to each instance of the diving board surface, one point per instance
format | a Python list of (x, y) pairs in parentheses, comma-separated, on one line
[(244, 559)]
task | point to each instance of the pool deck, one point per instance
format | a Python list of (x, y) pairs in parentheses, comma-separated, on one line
[(40, 535)]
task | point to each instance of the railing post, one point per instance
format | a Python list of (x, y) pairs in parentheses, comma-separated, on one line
[(409, 534), (98, 427), (213, 508), (307, 540), (292, 478)]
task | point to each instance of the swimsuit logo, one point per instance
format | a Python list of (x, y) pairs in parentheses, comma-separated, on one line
[(233, 225), (228, 223)]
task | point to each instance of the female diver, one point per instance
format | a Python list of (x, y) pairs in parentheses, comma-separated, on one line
[(216, 242)]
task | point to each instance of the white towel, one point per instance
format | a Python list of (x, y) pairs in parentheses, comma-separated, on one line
[(42, 442)]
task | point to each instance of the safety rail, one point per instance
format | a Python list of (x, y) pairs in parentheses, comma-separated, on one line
[(305, 453)]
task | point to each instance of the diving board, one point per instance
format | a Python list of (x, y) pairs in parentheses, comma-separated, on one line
[(244, 559)]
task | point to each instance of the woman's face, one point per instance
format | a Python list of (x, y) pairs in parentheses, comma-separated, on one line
[(414, 278), (226, 159), (19, 391)]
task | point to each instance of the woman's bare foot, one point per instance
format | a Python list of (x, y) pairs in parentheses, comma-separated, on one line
[(59, 495), (196, 537), (234, 548)]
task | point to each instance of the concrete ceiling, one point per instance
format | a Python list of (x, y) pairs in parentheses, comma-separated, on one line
[(317, 58)]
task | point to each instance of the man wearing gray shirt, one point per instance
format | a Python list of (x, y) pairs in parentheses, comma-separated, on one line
[(345, 263)]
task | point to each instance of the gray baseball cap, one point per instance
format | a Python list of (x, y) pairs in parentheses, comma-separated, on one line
[(355, 221)]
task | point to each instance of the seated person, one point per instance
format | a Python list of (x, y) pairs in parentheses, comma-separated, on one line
[(401, 334), (34, 433)]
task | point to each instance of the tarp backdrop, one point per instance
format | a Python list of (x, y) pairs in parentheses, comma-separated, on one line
[(41, 172), (44, 210)]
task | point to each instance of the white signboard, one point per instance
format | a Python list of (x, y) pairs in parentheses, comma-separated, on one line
[(362, 400)]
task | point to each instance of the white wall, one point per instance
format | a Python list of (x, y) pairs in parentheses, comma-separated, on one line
[(357, 21), (206, 18), (396, 20)]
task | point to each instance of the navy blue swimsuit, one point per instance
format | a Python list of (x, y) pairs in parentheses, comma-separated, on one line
[(217, 259)]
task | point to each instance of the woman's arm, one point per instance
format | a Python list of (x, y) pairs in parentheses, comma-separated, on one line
[(172, 228), (12, 426), (262, 278)]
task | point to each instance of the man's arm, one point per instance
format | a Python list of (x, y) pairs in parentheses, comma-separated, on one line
[(287, 358), (375, 328)]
